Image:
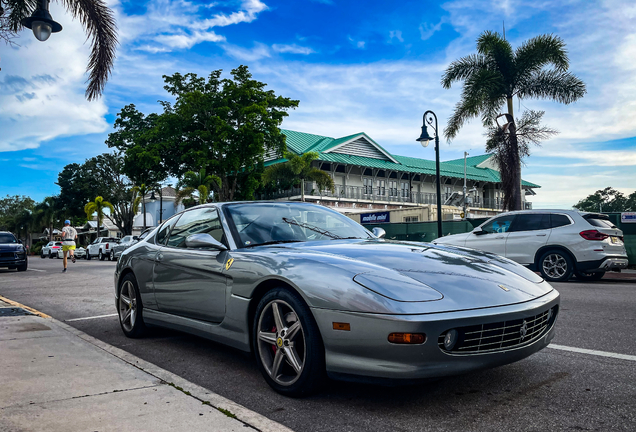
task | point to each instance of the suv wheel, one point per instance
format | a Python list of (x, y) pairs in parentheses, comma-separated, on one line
[(589, 276), (88, 256), (42, 254), (556, 266), (111, 257), (101, 256), (50, 255)]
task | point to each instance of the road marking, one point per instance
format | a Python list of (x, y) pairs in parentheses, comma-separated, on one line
[(37, 270), (89, 318), (593, 352), (16, 304)]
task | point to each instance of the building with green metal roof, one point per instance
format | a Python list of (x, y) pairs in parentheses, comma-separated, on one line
[(367, 176)]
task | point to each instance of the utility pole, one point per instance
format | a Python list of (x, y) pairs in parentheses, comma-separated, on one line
[(464, 213)]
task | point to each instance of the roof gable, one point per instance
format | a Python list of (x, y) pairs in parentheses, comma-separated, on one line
[(359, 145)]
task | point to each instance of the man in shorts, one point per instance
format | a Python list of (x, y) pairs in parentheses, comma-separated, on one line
[(69, 235)]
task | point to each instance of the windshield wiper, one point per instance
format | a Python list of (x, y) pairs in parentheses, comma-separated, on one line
[(273, 242), (312, 228)]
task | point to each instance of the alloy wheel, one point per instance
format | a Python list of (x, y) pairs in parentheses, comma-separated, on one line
[(555, 266), (128, 306), (281, 342)]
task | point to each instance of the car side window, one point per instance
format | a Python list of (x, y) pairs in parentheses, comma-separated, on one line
[(199, 221), (162, 235), (559, 220), (531, 222), (498, 225)]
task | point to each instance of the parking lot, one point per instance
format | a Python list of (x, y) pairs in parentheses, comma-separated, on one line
[(586, 380)]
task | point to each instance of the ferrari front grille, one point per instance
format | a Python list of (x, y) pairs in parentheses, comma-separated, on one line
[(500, 336)]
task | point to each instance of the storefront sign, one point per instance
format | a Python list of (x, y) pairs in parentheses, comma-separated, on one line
[(375, 218), (628, 217)]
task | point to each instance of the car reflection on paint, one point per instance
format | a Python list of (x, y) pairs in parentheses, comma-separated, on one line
[(314, 294)]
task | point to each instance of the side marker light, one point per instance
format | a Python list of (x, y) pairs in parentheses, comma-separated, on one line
[(407, 338), (342, 326)]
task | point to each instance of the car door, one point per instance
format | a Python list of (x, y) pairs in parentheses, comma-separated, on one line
[(493, 234), (190, 282), (528, 233)]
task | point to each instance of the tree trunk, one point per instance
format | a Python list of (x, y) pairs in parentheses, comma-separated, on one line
[(514, 144), (143, 203)]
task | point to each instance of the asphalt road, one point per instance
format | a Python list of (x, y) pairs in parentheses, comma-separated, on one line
[(551, 390)]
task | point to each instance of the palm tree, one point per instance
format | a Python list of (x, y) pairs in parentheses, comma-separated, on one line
[(497, 73), (98, 22), (298, 169), (47, 213), (98, 206), (197, 183)]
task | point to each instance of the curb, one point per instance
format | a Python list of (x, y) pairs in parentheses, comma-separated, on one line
[(205, 396)]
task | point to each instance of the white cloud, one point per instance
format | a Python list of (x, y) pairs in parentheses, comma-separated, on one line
[(395, 34), (292, 49), (428, 30), (42, 88)]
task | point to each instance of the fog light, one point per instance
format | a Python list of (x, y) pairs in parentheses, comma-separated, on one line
[(407, 338), (450, 339)]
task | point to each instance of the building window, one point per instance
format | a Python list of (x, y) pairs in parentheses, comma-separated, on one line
[(393, 188), (367, 186), (381, 185), (411, 218), (405, 190)]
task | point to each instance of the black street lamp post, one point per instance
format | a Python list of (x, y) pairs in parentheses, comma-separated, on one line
[(424, 139)]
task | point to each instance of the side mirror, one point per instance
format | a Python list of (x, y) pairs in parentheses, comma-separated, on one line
[(478, 231), (204, 241), (379, 232), (135, 237)]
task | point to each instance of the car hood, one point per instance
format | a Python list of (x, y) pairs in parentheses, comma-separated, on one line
[(424, 272), (454, 239)]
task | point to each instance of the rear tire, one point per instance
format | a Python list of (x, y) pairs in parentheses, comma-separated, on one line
[(582, 276), (50, 255), (291, 359), (556, 266), (129, 308), (101, 256)]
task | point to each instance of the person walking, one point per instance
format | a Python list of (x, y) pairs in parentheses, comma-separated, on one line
[(69, 235)]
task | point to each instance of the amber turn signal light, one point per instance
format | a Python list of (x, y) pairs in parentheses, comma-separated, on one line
[(407, 338), (342, 326)]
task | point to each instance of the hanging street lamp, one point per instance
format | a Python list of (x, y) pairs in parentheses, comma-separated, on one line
[(424, 139), (41, 22)]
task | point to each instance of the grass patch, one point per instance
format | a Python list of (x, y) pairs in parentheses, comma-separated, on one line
[(227, 413)]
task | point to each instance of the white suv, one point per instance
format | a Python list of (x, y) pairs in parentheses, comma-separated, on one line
[(558, 243)]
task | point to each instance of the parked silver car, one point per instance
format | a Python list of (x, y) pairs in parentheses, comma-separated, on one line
[(313, 293), (50, 249), (122, 245), (80, 252)]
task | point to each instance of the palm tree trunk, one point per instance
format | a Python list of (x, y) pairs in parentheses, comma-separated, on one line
[(514, 144), (143, 205)]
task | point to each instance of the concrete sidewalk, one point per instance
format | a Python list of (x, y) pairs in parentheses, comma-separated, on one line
[(56, 378)]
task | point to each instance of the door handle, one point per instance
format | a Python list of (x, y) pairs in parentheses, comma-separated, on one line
[(159, 256), (499, 237), (541, 235)]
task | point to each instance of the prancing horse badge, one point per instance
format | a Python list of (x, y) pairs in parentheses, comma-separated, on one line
[(228, 264)]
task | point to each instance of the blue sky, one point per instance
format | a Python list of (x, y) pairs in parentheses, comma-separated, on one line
[(372, 66)]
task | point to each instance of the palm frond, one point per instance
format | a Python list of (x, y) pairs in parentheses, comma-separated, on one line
[(539, 52), (463, 69), (559, 86), (99, 23)]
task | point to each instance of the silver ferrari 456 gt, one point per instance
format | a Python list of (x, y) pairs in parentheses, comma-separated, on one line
[(315, 294)]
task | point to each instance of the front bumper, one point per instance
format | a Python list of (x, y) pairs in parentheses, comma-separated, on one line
[(12, 261), (606, 264), (364, 353)]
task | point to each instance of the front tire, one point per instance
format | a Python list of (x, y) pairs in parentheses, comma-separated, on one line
[(111, 257), (129, 308), (50, 255), (556, 266), (42, 255), (287, 343), (582, 276), (23, 267)]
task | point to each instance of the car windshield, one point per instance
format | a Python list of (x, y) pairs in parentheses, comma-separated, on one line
[(266, 223), (7, 238)]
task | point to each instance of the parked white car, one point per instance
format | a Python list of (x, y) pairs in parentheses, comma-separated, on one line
[(50, 249), (80, 252), (558, 243), (101, 248)]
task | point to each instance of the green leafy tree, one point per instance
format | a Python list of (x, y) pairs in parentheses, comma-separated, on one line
[(99, 24), (98, 206), (223, 125), (607, 200), (497, 74), (296, 170), (198, 183), (11, 208)]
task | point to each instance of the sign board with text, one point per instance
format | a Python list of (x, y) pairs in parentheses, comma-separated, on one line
[(628, 217), (375, 218)]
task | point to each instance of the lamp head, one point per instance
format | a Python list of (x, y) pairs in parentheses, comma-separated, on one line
[(42, 23), (152, 197), (424, 138)]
